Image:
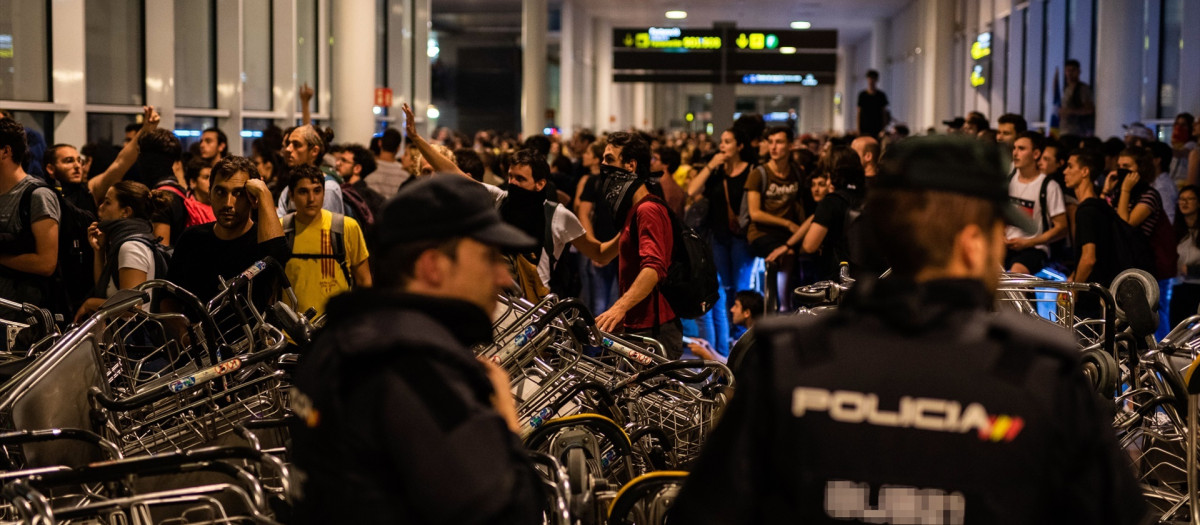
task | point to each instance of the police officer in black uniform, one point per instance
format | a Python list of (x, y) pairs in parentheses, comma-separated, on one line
[(914, 403), (399, 423)]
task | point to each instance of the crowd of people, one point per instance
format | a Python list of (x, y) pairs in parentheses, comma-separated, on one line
[(779, 211), (601, 218)]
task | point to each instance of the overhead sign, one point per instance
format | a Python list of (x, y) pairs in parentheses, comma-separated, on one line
[(724, 54), (667, 39), (757, 41), (760, 78)]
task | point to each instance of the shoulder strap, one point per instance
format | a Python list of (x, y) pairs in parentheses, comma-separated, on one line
[(1042, 202), (289, 229), (728, 201), (337, 240), (173, 189), (549, 208)]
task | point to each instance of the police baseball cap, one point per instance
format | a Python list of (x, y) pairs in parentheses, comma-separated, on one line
[(443, 206), (954, 164)]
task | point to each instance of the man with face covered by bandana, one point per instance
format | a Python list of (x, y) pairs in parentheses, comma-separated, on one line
[(524, 205), (645, 244)]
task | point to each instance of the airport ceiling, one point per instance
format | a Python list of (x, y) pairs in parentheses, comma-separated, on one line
[(852, 18)]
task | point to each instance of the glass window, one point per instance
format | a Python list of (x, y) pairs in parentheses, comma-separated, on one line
[(1170, 49), (107, 128), (306, 48), (189, 129), (115, 58), (252, 129), (195, 53), (256, 54), (24, 50)]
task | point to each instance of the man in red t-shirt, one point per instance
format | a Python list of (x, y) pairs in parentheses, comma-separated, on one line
[(644, 249)]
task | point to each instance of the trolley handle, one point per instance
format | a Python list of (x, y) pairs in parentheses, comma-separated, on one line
[(192, 306), (673, 370), (195, 380), (20, 437)]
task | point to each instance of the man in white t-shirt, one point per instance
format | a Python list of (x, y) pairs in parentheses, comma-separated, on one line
[(524, 205), (1028, 251)]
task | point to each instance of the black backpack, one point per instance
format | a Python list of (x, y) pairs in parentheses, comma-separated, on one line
[(71, 282), (1132, 248), (853, 246), (360, 209), (162, 260), (691, 284)]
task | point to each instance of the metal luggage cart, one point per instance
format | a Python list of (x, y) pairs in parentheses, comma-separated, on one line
[(145, 489), (238, 320), (28, 329), (673, 407), (1024, 294), (647, 499)]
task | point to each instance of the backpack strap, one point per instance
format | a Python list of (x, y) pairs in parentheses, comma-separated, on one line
[(173, 188), (550, 207), (1042, 202), (337, 240), (289, 229)]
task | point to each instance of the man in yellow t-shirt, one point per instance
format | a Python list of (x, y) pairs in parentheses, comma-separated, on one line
[(318, 269)]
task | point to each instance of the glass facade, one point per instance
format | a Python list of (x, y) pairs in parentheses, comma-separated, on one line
[(24, 50), (256, 54), (195, 53), (115, 52)]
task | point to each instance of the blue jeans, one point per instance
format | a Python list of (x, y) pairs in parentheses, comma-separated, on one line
[(735, 270), (707, 326), (603, 290)]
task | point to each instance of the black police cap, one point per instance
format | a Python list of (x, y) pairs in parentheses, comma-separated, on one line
[(443, 206)]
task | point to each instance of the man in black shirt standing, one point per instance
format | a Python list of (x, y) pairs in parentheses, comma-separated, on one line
[(398, 421), (246, 231), (873, 113), (913, 402), (1095, 227)]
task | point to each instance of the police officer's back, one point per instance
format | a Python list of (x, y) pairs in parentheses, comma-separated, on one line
[(399, 422), (913, 403)]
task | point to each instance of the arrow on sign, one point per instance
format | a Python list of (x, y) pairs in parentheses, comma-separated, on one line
[(742, 41), (628, 40)]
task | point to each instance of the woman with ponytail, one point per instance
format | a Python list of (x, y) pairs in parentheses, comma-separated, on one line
[(124, 242)]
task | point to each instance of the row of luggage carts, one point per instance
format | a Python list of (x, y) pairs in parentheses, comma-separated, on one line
[(134, 416), (140, 416), (611, 422)]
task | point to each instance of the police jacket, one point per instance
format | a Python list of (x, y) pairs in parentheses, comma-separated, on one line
[(396, 423), (911, 404)]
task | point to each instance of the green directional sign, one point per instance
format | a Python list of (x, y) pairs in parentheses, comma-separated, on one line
[(772, 41)]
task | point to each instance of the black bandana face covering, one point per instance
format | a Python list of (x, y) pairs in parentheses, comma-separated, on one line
[(617, 188)]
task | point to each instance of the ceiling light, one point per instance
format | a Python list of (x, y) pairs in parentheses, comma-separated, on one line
[(801, 24), (787, 50), (676, 15)]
